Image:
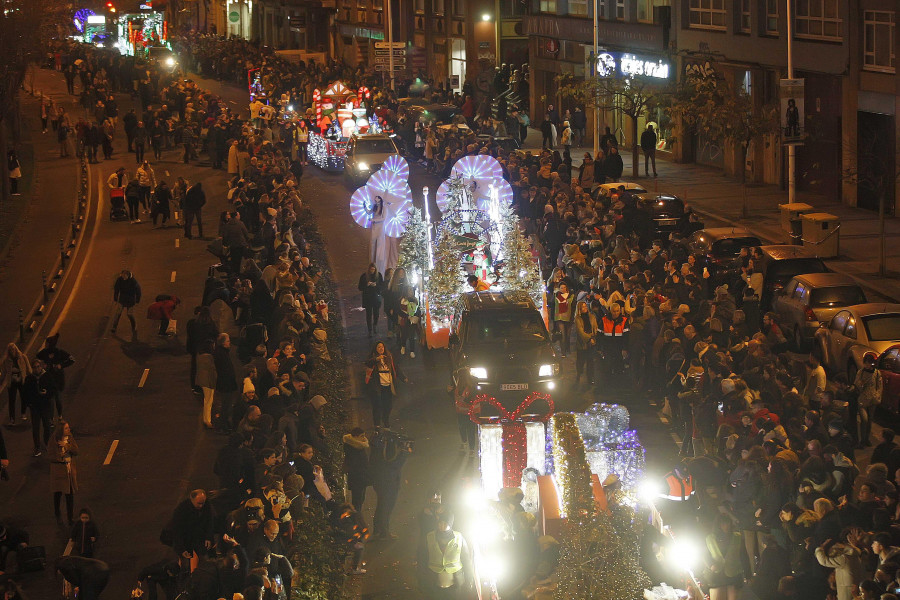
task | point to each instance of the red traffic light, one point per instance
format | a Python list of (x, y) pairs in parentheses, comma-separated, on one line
[(109, 5)]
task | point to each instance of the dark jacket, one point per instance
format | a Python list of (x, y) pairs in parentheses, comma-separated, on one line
[(190, 527), (235, 466), (38, 392), (648, 140), (194, 199), (371, 294), (356, 462), (81, 537), (226, 379), (127, 292), (613, 166)]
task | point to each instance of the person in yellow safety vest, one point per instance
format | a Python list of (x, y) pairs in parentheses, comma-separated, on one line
[(679, 485), (445, 562), (613, 329), (477, 284)]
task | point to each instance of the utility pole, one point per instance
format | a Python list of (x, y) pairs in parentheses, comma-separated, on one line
[(593, 72), (389, 24), (792, 148)]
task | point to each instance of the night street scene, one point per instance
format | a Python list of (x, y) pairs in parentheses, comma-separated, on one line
[(449, 300)]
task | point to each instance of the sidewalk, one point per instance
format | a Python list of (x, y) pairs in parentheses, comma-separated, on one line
[(32, 225), (717, 196)]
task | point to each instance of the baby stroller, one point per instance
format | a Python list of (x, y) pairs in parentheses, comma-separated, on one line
[(117, 210)]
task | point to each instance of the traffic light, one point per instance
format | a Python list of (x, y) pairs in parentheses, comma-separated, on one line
[(110, 7)]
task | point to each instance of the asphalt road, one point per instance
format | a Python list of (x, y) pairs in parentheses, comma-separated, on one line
[(135, 394)]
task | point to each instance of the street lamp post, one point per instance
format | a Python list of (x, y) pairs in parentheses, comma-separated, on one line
[(792, 149)]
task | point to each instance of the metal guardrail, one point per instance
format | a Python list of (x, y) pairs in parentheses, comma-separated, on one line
[(799, 238), (30, 321)]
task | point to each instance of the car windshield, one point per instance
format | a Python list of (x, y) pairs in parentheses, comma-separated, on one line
[(732, 246), (845, 295), (882, 328), (782, 270), (381, 146), (518, 326)]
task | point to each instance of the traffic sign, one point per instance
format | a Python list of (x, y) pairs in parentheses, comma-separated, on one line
[(384, 60), (386, 45), (380, 53)]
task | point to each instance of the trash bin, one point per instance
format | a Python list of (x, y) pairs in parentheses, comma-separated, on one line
[(792, 211), (821, 234)]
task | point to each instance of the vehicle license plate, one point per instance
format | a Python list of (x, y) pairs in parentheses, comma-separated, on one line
[(668, 221), (510, 387)]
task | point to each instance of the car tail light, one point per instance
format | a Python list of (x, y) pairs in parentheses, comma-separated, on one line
[(810, 315)]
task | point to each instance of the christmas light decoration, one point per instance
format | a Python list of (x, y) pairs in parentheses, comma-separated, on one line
[(611, 447), (491, 445), (520, 272), (570, 464), (395, 195), (514, 434), (398, 165), (414, 245), (326, 154)]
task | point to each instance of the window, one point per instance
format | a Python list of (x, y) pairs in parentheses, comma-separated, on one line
[(745, 16), (439, 7), (839, 321), (708, 14), (850, 332), (645, 11), (548, 6), (878, 44), (601, 9), (798, 291), (620, 10), (578, 8), (817, 19), (772, 17)]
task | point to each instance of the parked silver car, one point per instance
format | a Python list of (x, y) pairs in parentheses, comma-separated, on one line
[(856, 330), (809, 300)]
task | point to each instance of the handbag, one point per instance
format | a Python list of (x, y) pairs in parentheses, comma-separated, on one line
[(172, 329)]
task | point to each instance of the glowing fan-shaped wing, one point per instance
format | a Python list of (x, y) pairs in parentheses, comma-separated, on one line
[(483, 193), (398, 165), (441, 196), (361, 206), (477, 167), (397, 198)]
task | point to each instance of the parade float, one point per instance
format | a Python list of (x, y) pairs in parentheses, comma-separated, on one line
[(339, 113)]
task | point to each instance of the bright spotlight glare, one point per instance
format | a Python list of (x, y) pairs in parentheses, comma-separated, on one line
[(551, 385), (649, 490), (492, 566), (170, 61), (485, 17), (684, 554), (474, 498)]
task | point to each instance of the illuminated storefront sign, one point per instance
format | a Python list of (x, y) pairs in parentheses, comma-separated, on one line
[(609, 64)]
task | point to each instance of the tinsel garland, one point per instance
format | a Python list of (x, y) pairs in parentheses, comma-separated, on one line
[(572, 472), (414, 245)]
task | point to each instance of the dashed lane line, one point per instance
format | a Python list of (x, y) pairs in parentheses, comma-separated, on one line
[(144, 378), (172, 280), (112, 450)]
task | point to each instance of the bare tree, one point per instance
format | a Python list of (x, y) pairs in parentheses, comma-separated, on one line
[(633, 96)]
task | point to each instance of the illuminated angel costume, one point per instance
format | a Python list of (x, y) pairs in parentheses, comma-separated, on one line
[(383, 205), (384, 250)]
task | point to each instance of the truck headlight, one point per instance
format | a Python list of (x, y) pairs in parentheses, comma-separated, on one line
[(548, 370), (170, 61), (363, 166), (478, 372)]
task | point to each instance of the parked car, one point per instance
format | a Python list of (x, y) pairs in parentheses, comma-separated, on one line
[(719, 249), (889, 366), (779, 264), (605, 189), (366, 154), (666, 211), (500, 346), (856, 330), (809, 300)]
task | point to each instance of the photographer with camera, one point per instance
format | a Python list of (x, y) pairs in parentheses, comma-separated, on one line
[(388, 453)]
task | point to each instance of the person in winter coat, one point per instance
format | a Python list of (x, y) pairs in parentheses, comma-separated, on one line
[(89, 575), (191, 528), (586, 328), (147, 180), (163, 310), (613, 165), (371, 284), (63, 475), (563, 315), (356, 466), (586, 172), (14, 170), (84, 534), (162, 196), (724, 566), (206, 379), (844, 558), (869, 386), (381, 377), (14, 368), (233, 168), (126, 294), (38, 391), (192, 204), (133, 199), (226, 382)]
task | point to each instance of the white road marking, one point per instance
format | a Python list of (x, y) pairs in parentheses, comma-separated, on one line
[(144, 378), (167, 173), (112, 450), (178, 242), (172, 280)]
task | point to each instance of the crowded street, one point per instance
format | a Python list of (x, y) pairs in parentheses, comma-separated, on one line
[(231, 398)]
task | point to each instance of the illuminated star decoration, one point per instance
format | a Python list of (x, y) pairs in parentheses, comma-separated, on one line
[(398, 165), (397, 201), (480, 173)]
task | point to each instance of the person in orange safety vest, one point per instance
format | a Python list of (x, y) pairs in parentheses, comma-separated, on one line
[(679, 485)]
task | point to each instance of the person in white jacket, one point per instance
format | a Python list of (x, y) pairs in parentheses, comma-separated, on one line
[(844, 558), (147, 180)]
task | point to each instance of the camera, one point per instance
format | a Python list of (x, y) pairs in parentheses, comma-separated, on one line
[(400, 440)]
